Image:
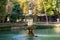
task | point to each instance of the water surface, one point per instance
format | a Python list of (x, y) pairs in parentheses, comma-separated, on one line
[(41, 34)]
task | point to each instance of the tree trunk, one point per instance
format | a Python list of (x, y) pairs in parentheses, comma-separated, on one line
[(45, 11)]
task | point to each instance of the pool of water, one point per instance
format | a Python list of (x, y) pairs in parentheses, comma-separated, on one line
[(40, 34)]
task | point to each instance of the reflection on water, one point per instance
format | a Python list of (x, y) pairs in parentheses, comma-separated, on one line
[(41, 34), (57, 30)]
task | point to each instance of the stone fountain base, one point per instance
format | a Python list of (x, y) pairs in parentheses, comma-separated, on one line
[(30, 32)]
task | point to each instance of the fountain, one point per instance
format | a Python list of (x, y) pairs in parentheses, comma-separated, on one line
[(30, 28), (30, 21)]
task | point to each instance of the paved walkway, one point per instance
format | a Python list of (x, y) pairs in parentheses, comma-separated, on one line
[(35, 23), (47, 23)]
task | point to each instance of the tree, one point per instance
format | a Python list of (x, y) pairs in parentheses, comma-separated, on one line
[(44, 6), (2, 10), (16, 12), (24, 6), (48, 7), (58, 8)]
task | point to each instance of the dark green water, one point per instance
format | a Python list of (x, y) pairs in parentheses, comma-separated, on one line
[(42, 34)]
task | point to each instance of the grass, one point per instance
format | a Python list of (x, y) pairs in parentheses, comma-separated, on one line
[(7, 27), (44, 27)]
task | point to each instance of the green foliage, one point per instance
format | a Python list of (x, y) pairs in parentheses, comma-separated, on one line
[(42, 10), (49, 6), (2, 8), (58, 6), (2, 5), (16, 12), (44, 26), (50, 13), (3, 2)]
